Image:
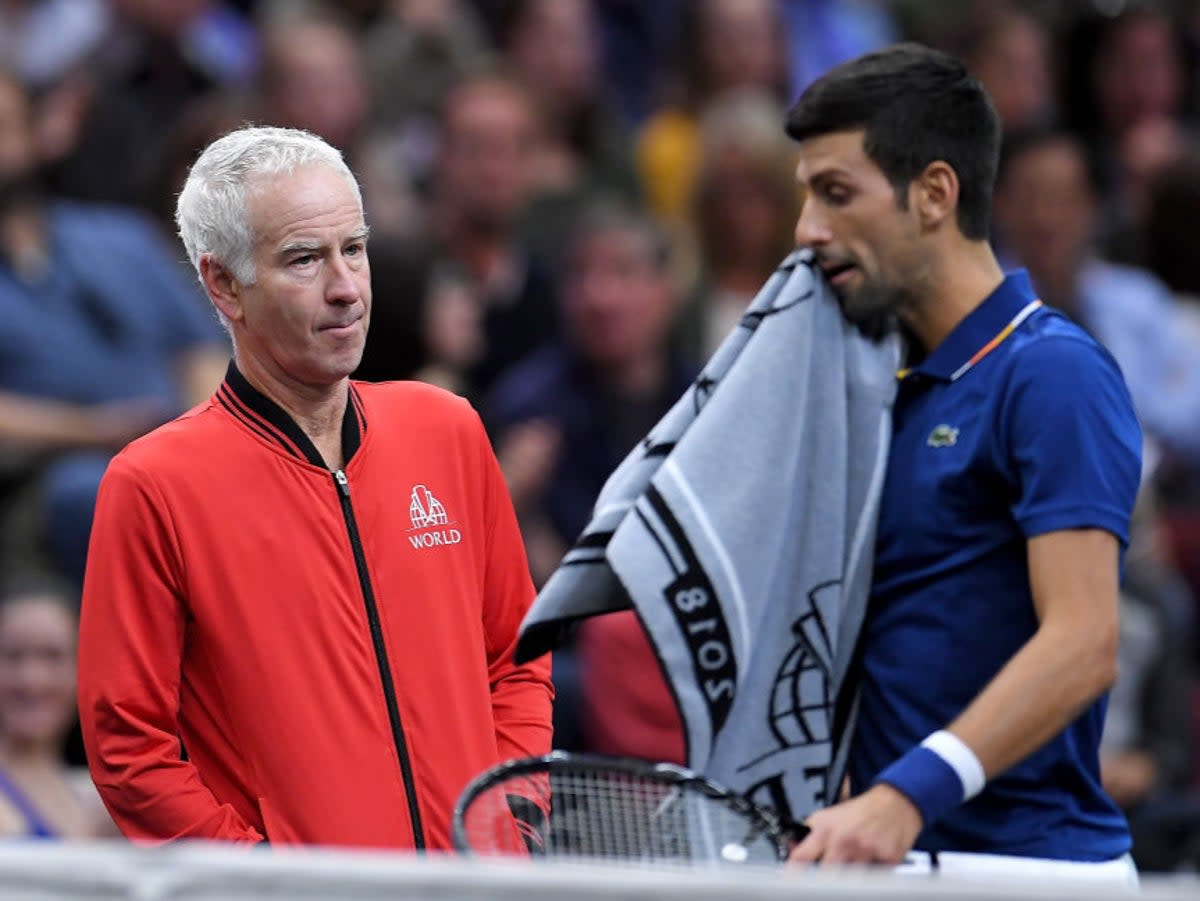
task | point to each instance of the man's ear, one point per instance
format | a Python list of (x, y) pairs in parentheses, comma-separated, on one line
[(224, 290), (935, 195)]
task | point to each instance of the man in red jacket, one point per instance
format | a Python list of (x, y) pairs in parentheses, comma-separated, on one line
[(302, 596)]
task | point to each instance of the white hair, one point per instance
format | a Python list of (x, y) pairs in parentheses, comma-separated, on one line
[(212, 216)]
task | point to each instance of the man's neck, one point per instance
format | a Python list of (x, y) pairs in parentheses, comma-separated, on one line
[(317, 410), (954, 284)]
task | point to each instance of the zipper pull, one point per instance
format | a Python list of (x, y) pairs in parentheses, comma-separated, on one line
[(342, 482)]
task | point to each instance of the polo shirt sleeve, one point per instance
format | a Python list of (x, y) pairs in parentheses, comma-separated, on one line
[(1073, 442)]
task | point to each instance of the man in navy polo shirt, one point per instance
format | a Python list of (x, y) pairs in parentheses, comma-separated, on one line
[(992, 632)]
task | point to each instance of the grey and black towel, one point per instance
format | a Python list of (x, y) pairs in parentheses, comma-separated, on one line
[(742, 531)]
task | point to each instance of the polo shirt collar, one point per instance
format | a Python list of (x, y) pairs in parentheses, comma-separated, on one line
[(983, 325), (271, 421)]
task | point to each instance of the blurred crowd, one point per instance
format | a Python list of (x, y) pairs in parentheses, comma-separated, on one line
[(571, 203)]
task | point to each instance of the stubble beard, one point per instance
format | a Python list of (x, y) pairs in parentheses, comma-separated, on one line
[(874, 306), (870, 301)]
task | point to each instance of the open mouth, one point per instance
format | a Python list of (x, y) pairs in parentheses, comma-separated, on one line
[(838, 272)]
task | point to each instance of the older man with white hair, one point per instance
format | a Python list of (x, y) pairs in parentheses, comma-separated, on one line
[(302, 596)]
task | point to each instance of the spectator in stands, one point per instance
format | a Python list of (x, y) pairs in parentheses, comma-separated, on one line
[(40, 797), (1125, 93), (1147, 755), (483, 183), (1148, 752), (582, 150), (1046, 214), (313, 77), (426, 322), (552, 46), (157, 59), (415, 52), (744, 213), (1008, 49), (1172, 248), (595, 392), (563, 419), (302, 598), (98, 321), (724, 45)]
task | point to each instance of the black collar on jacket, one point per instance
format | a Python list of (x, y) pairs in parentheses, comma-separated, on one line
[(271, 421)]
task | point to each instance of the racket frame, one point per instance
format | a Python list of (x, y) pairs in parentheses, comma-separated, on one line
[(782, 834)]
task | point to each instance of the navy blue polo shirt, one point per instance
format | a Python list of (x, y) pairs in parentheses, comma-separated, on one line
[(1017, 424)]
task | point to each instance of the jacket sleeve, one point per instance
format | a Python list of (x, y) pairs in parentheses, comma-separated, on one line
[(521, 695), (132, 631)]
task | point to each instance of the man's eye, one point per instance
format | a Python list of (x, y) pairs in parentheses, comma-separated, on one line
[(836, 196), (355, 250), (303, 260)]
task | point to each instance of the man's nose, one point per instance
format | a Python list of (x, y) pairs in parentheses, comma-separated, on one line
[(342, 286), (811, 228)]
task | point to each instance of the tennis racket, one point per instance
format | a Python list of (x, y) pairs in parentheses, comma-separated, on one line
[(568, 806)]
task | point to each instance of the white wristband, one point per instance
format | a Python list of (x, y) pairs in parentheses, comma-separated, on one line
[(960, 758)]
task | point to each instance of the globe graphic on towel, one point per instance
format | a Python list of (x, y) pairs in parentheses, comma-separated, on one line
[(800, 676)]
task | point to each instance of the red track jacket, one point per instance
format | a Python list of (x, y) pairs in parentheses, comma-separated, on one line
[(271, 649)]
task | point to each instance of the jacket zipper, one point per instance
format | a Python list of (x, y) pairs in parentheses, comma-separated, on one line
[(381, 658)]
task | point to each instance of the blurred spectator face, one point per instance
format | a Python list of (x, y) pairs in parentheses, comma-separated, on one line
[(453, 323), (1045, 207), (18, 151), (314, 79), (487, 152), (37, 670), (744, 217), (555, 50), (618, 299), (746, 199), (741, 44), (1138, 73), (1013, 65)]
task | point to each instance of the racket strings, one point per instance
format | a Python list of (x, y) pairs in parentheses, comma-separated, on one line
[(616, 816)]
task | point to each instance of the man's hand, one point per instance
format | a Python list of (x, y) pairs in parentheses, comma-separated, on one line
[(879, 826)]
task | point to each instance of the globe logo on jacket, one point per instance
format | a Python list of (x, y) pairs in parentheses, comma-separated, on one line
[(427, 514)]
